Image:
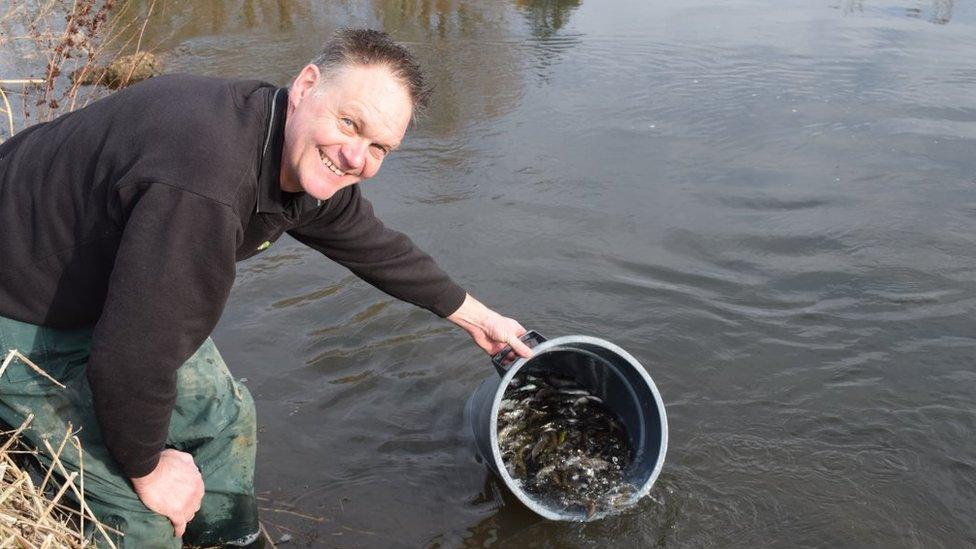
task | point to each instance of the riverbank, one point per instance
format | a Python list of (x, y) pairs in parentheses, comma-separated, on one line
[(61, 55)]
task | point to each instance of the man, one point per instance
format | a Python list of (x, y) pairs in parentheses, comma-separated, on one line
[(122, 223)]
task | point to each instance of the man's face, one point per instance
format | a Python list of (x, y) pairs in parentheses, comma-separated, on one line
[(338, 132)]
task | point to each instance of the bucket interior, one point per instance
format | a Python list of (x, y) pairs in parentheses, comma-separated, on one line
[(623, 389)]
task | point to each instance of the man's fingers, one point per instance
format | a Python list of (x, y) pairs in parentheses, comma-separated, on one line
[(521, 349), (182, 456)]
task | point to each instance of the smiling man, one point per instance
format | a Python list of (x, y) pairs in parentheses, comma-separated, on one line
[(122, 224)]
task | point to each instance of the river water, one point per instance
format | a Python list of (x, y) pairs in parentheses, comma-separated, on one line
[(771, 204)]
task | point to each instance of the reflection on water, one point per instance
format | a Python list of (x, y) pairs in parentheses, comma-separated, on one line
[(465, 49), (546, 20), (472, 58), (547, 17), (934, 11), (175, 18)]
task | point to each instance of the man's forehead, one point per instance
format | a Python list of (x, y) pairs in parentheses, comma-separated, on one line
[(376, 123), (374, 93)]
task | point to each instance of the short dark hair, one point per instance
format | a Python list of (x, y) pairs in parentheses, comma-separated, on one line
[(373, 47)]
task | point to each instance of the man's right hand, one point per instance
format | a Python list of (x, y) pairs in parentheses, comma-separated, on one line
[(174, 489)]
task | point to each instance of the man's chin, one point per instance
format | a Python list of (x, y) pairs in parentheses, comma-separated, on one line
[(322, 190)]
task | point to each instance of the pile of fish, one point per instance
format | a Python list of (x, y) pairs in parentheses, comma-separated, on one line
[(562, 445)]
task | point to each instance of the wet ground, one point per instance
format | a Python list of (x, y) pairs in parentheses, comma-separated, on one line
[(771, 204)]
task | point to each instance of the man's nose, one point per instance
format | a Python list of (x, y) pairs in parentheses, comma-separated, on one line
[(354, 155)]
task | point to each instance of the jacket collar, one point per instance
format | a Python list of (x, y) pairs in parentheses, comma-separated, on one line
[(270, 198)]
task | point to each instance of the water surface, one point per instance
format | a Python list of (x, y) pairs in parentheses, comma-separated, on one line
[(772, 204)]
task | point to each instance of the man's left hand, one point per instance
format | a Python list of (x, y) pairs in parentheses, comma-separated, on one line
[(490, 330)]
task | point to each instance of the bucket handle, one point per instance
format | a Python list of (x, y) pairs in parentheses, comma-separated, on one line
[(530, 338)]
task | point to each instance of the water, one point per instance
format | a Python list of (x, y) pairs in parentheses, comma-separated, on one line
[(771, 204)]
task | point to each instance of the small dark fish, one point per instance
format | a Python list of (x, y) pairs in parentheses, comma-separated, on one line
[(545, 393), (507, 432), (562, 382), (512, 416), (544, 473), (545, 441), (563, 445)]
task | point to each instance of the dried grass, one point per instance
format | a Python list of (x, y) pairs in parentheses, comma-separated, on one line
[(74, 42), (38, 515)]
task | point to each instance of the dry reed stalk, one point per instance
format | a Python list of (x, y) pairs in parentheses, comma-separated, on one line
[(14, 353), (7, 110), (267, 536), (79, 40), (30, 517)]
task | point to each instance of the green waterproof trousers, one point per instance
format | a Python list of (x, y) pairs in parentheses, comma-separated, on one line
[(214, 420)]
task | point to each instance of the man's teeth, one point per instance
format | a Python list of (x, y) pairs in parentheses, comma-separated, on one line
[(328, 164)]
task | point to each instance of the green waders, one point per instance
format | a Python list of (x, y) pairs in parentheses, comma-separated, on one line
[(214, 420)]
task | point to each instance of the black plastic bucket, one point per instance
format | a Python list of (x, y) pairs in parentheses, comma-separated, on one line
[(606, 371)]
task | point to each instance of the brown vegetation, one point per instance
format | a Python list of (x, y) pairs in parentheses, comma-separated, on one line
[(72, 48), (36, 514)]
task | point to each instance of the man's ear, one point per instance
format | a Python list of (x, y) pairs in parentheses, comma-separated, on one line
[(304, 84)]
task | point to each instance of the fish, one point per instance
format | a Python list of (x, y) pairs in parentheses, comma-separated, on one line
[(507, 432), (544, 442), (590, 509), (563, 445), (543, 473)]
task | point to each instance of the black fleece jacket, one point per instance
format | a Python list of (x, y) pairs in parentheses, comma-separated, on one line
[(128, 216)]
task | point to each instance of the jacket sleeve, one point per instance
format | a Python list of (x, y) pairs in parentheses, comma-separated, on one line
[(172, 274), (346, 230)]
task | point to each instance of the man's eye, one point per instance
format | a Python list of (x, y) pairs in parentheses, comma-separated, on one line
[(348, 122), (379, 151)]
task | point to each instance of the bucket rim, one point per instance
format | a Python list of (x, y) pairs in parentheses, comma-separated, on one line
[(553, 345)]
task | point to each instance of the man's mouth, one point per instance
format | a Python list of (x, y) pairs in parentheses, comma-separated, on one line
[(328, 164)]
